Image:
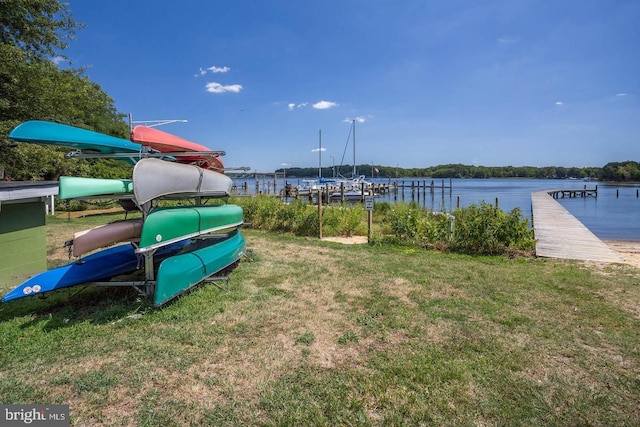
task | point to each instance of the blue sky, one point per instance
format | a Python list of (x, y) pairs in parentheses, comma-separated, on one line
[(494, 83)]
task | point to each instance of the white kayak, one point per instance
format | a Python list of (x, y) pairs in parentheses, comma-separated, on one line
[(153, 178)]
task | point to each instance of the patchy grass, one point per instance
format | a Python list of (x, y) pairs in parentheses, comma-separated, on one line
[(318, 333)]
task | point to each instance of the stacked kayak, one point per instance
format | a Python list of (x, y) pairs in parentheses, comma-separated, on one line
[(178, 247), (179, 273), (102, 265)]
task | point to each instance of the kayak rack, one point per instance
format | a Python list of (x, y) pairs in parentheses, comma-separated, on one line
[(143, 154), (147, 287)]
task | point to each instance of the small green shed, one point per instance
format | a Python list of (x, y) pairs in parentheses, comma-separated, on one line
[(23, 207)]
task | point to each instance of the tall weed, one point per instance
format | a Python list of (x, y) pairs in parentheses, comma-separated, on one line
[(485, 229), (476, 229)]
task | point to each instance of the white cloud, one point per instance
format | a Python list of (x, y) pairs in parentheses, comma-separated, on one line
[(293, 105), (215, 87), (315, 150), (57, 60), (324, 105), (215, 69), (559, 103), (621, 94), (358, 119)]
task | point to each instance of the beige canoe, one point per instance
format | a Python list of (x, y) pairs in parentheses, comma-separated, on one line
[(105, 235)]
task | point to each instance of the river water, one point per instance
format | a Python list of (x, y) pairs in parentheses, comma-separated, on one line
[(613, 215)]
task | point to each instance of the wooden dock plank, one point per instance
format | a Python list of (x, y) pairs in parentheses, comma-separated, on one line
[(560, 235)]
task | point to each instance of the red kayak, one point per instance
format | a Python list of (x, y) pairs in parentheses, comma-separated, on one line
[(168, 143)]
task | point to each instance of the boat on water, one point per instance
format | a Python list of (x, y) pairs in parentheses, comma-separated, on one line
[(102, 265), (105, 235), (153, 178), (205, 258), (184, 150), (72, 187), (350, 195), (163, 226)]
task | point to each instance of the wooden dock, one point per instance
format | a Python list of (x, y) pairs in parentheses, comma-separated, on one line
[(560, 235)]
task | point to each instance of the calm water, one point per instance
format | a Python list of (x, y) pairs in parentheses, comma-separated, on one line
[(609, 216)]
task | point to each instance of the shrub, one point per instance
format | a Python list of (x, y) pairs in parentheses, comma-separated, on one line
[(476, 229), (485, 229), (343, 220)]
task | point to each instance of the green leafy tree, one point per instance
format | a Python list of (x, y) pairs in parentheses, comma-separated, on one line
[(32, 87), (39, 28)]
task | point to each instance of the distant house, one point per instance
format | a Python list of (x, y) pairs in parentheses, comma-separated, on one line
[(22, 227)]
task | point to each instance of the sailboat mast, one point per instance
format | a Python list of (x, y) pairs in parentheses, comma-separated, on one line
[(354, 148), (320, 154)]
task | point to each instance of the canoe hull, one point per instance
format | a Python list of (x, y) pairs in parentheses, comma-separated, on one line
[(153, 178), (166, 143), (49, 133), (167, 225), (73, 187), (179, 273), (106, 235), (102, 265)]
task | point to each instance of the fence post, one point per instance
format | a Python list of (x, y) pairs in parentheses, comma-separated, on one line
[(320, 212)]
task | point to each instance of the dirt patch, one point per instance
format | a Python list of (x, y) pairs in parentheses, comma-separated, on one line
[(630, 251), (353, 240)]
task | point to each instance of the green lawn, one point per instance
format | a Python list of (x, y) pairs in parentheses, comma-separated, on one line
[(317, 333)]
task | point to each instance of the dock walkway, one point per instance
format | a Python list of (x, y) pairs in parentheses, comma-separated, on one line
[(560, 235)]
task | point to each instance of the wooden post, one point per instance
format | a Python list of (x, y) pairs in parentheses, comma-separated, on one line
[(497, 206), (457, 202), (320, 212)]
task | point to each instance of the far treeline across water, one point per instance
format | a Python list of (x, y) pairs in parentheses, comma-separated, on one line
[(628, 171)]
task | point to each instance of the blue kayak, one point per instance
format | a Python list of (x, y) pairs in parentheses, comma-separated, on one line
[(99, 266)]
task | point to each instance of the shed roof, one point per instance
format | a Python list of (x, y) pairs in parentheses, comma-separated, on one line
[(16, 191)]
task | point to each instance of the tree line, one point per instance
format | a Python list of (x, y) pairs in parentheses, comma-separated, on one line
[(614, 171), (33, 37)]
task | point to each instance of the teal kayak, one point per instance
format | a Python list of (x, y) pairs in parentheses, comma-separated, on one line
[(72, 187), (167, 225), (179, 273), (49, 133)]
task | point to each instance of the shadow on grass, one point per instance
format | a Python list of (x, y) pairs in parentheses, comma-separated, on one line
[(81, 303), (66, 307)]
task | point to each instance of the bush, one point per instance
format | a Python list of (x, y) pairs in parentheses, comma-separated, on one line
[(476, 229), (343, 220), (485, 229)]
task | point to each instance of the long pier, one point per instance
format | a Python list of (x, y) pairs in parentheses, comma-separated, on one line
[(560, 235)]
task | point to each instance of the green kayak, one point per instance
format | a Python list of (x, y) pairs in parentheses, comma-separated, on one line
[(179, 273), (72, 187), (167, 225)]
